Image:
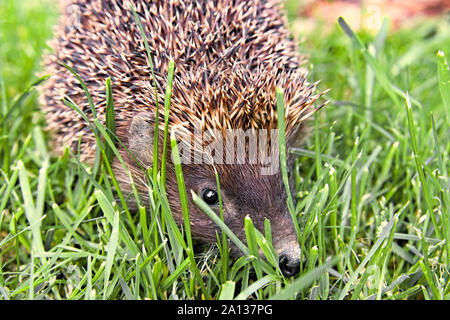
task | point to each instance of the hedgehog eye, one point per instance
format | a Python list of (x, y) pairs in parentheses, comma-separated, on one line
[(210, 196)]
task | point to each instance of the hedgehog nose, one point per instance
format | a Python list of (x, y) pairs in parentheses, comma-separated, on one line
[(289, 266)]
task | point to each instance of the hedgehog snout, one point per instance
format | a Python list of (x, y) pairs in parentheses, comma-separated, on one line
[(289, 254)]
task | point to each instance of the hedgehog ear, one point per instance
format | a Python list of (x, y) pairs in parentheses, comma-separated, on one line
[(140, 137)]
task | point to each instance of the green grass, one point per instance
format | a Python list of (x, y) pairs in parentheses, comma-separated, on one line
[(372, 186)]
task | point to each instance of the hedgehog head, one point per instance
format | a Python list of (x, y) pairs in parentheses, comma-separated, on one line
[(225, 122)]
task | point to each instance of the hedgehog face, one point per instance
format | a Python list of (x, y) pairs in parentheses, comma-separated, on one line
[(259, 196), (245, 190)]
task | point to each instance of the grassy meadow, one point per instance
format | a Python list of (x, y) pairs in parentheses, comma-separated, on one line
[(372, 186)]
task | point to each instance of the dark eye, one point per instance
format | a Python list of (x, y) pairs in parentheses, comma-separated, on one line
[(210, 196)]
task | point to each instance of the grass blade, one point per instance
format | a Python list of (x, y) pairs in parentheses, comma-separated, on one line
[(110, 120), (444, 82), (419, 167), (185, 209), (227, 291), (111, 248), (150, 63), (212, 215), (255, 286), (283, 157), (166, 120), (33, 215), (109, 212)]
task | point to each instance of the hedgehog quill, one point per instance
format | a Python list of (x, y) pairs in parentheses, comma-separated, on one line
[(230, 56)]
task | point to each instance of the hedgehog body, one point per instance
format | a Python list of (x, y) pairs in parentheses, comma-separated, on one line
[(229, 57)]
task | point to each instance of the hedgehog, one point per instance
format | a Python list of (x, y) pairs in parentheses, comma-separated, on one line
[(230, 56)]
